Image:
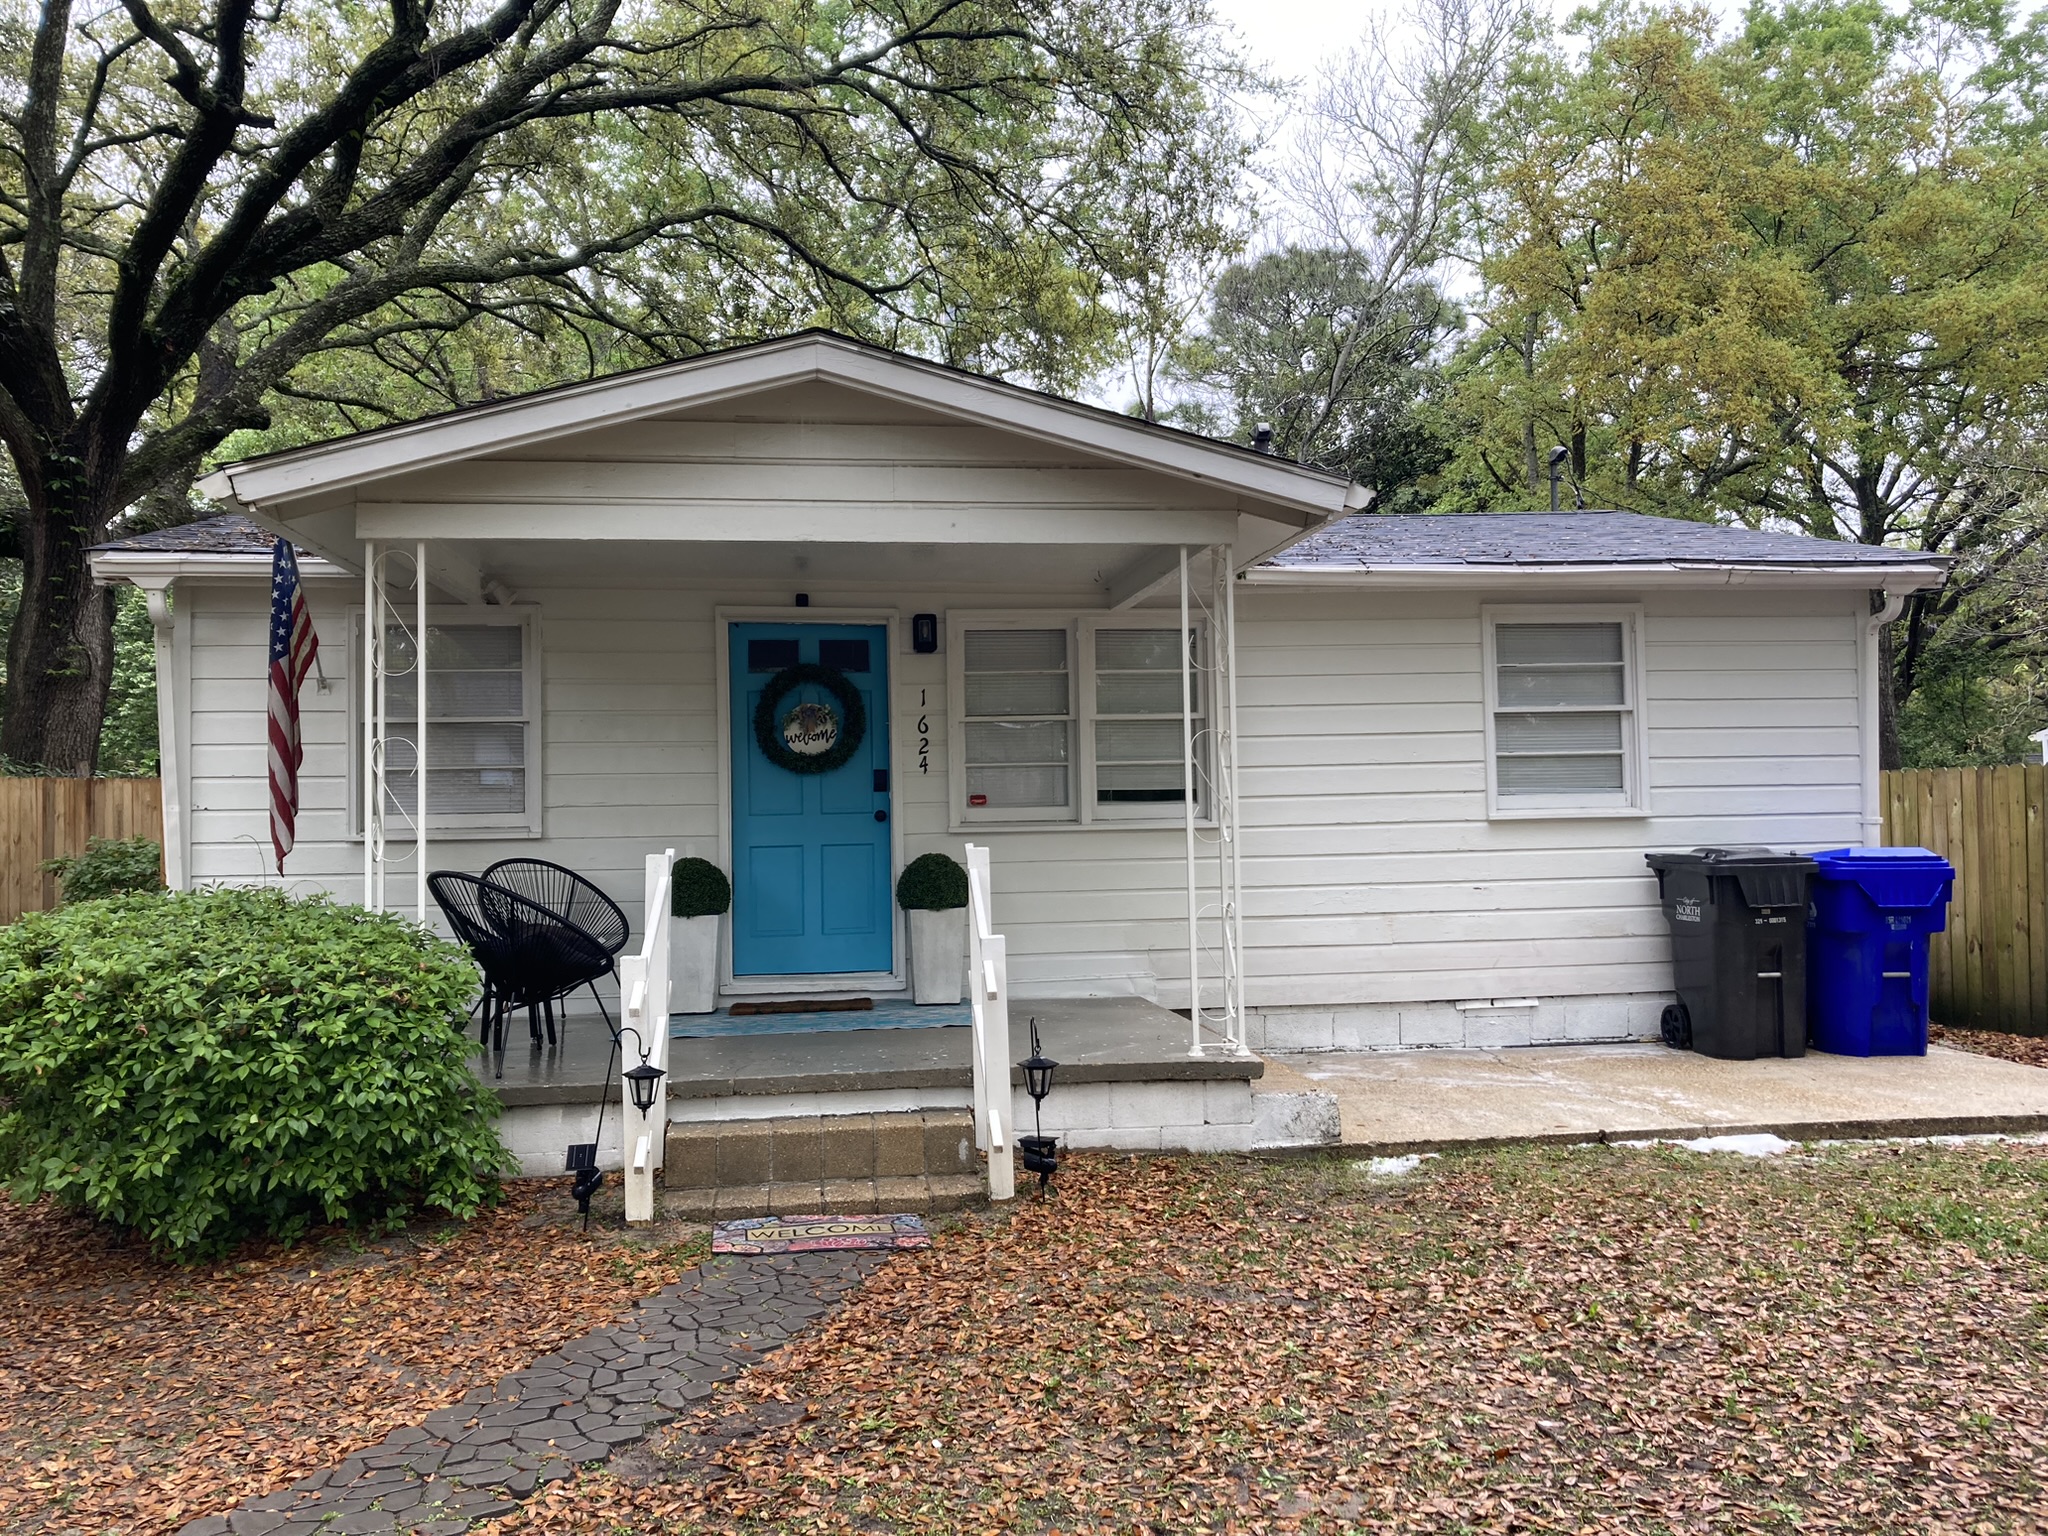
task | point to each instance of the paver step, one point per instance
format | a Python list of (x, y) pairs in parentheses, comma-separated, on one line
[(816, 1150), (923, 1194)]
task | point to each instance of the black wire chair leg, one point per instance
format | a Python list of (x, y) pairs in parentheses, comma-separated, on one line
[(608, 1024)]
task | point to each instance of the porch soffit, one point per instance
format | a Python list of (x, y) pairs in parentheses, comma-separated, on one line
[(1231, 475)]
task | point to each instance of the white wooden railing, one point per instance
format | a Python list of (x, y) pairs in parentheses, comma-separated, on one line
[(988, 991), (643, 994)]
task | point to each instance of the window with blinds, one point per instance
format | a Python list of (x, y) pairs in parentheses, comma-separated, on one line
[(1017, 721), (1073, 722), (480, 726), (1563, 728), (1138, 718)]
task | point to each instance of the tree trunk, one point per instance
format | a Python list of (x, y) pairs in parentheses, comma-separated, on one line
[(60, 658)]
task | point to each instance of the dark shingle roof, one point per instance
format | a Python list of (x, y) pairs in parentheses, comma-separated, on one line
[(1566, 538), (233, 534)]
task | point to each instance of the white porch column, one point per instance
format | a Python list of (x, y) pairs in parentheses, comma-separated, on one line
[(419, 740), (156, 592), (1187, 807)]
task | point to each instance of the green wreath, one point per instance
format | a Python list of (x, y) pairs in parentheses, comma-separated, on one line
[(853, 719)]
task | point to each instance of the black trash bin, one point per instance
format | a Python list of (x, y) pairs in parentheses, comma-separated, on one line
[(1738, 948)]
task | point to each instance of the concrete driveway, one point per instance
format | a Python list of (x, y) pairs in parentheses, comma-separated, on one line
[(1392, 1101)]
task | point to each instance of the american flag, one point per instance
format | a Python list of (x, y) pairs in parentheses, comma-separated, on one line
[(292, 649)]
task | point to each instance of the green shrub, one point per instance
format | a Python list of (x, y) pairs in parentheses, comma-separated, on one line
[(931, 882), (205, 1067), (699, 889), (110, 867)]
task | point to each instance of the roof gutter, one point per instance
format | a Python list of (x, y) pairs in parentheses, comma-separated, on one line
[(1892, 578)]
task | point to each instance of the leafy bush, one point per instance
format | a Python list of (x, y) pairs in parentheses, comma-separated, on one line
[(110, 867), (205, 1067), (699, 889), (931, 882)]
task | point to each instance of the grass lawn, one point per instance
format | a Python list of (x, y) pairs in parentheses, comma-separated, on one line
[(1852, 1340), (136, 1395)]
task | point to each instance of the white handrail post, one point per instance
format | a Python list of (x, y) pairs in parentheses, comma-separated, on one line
[(1002, 1166), (978, 927), (643, 1008), (634, 1150)]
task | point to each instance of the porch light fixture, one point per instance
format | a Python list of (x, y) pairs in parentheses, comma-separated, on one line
[(1040, 1152)]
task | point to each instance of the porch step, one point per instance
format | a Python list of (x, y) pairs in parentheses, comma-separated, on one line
[(908, 1160)]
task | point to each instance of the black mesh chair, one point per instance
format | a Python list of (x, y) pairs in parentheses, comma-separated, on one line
[(573, 898), (548, 956), (461, 900)]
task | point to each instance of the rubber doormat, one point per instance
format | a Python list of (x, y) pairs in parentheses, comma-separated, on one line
[(814, 1234)]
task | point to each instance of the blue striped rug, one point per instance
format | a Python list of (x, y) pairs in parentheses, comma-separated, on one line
[(889, 1013)]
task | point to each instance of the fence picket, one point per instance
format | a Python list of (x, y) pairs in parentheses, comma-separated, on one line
[(43, 819), (1990, 969)]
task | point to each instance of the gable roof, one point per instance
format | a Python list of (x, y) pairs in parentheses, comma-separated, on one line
[(809, 356), (232, 534), (1433, 547)]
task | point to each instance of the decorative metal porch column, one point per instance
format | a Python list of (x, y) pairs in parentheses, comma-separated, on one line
[(1211, 764), (380, 615)]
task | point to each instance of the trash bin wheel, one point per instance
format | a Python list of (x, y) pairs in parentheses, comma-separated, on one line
[(1677, 1027)]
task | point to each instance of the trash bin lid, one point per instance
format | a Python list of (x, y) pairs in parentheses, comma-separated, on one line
[(1895, 879), (1766, 877)]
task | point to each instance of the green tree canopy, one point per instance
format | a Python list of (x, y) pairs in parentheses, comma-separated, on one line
[(218, 220), (1797, 275)]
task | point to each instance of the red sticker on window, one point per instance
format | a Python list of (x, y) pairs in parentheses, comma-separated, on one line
[(977, 799)]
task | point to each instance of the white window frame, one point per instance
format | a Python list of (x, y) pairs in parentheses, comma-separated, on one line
[(1081, 631), (1633, 799), (444, 825)]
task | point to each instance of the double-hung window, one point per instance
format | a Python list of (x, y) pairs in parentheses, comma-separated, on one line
[(483, 725), (1564, 732), (1074, 722)]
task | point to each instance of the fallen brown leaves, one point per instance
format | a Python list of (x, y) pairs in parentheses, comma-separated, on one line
[(136, 1395), (2032, 1050), (1588, 1341)]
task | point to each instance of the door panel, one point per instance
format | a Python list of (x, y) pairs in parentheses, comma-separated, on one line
[(810, 858)]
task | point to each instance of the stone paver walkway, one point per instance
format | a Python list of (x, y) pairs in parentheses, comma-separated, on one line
[(578, 1405)]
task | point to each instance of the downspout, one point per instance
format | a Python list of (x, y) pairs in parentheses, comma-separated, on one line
[(156, 592), (1873, 797)]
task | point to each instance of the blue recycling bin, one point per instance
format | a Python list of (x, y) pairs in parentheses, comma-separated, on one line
[(1866, 948)]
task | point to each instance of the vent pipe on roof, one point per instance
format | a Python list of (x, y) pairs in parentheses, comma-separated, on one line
[(1262, 437)]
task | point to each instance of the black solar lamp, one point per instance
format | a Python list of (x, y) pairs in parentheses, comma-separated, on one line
[(1040, 1150), (641, 1082)]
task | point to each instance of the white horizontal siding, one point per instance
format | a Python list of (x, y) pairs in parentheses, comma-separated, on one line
[(1373, 873)]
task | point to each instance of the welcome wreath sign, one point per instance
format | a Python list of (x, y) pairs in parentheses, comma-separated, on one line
[(810, 735)]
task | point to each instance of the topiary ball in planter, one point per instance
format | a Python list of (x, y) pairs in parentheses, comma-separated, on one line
[(931, 882), (702, 894), (932, 891), (205, 1067), (699, 889)]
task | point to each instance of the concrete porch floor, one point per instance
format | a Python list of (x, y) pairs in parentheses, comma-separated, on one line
[(1408, 1101)]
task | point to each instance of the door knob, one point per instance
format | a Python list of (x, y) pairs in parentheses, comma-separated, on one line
[(881, 815)]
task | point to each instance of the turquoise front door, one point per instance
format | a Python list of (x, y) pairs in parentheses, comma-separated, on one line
[(810, 866)]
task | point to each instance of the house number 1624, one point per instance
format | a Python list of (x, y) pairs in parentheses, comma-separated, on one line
[(924, 739)]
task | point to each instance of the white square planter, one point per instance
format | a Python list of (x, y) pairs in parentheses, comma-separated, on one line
[(692, 964), (938, 954)]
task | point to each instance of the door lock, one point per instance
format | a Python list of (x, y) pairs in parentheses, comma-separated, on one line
[(881, 815)]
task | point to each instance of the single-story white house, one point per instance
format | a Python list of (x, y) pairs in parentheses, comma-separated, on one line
[(1431, 750)]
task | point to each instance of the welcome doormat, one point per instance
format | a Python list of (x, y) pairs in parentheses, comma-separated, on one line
[(815, 1234)]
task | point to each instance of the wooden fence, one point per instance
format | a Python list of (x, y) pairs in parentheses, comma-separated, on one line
[(1990, 969), (48, 818)]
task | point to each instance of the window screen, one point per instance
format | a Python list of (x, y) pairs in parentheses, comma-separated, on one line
[(477, 722), (1138, 753), (1017, 718), (1560, 722)]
